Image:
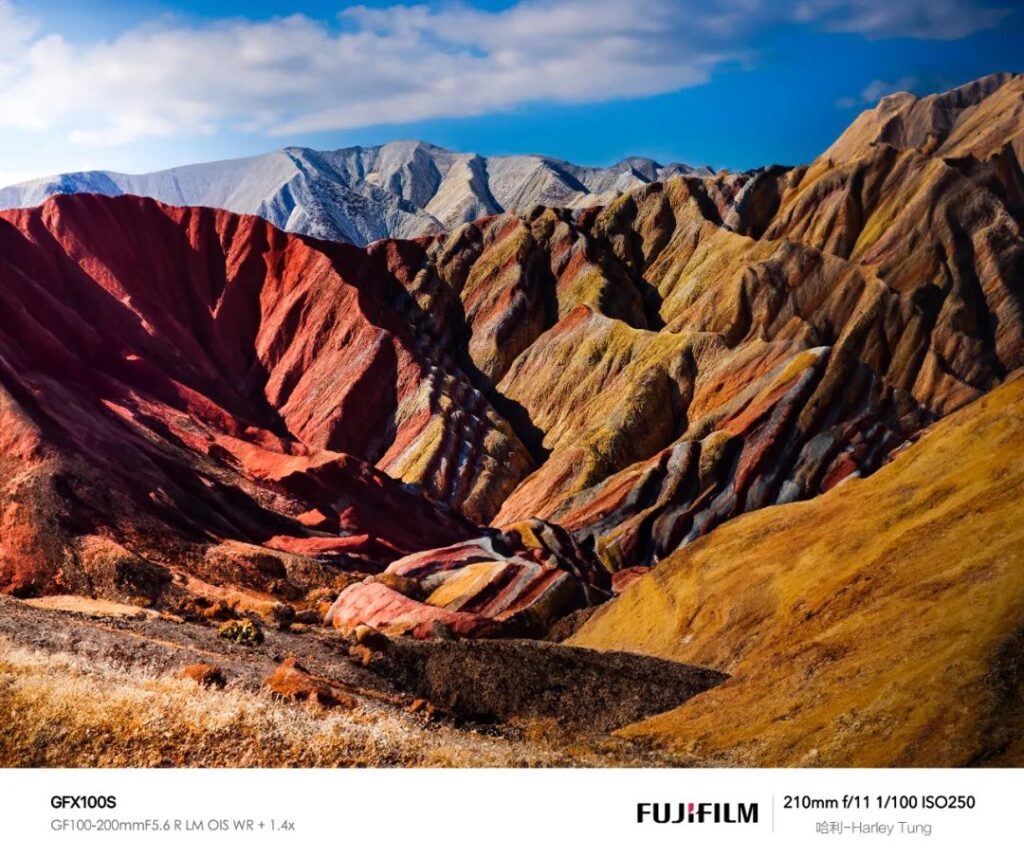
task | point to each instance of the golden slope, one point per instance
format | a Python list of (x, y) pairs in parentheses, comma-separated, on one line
[(879, 624)]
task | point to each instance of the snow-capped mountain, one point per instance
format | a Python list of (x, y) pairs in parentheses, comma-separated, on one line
[(362, 194)]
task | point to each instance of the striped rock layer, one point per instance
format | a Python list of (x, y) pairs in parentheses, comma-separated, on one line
[(194, 400), (516, 581)]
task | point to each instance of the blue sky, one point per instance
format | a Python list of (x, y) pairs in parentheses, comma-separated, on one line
[(737, 83)]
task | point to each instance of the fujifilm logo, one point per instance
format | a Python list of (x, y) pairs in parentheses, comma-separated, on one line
[(672, 813)]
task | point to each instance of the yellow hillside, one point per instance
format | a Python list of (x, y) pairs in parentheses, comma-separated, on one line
[(880, 624)]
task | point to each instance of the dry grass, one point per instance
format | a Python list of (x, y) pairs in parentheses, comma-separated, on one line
[(64, 711)]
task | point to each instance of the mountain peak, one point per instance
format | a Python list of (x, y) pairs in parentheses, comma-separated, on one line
[(360, 194), (636, 162), (976, 118)]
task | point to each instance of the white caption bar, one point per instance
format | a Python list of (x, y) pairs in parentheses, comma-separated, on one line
[(508, 812)]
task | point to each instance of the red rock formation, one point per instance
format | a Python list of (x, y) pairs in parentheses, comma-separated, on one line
[(205, 674), (369, 603), (174, 378)]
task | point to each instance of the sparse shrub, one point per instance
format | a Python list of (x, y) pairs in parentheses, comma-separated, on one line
[(244, 632)]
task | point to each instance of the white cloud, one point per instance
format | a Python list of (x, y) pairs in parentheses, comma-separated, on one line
[(875, 90), (294, 75)]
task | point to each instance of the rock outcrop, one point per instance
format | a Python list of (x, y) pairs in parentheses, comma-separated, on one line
[(291, 681), (204, 674), (515, 582)]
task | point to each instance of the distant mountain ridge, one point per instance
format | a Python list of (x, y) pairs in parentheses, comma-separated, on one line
[(362, 194)]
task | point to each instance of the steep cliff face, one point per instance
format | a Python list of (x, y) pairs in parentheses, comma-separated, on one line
[(633, 375)]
